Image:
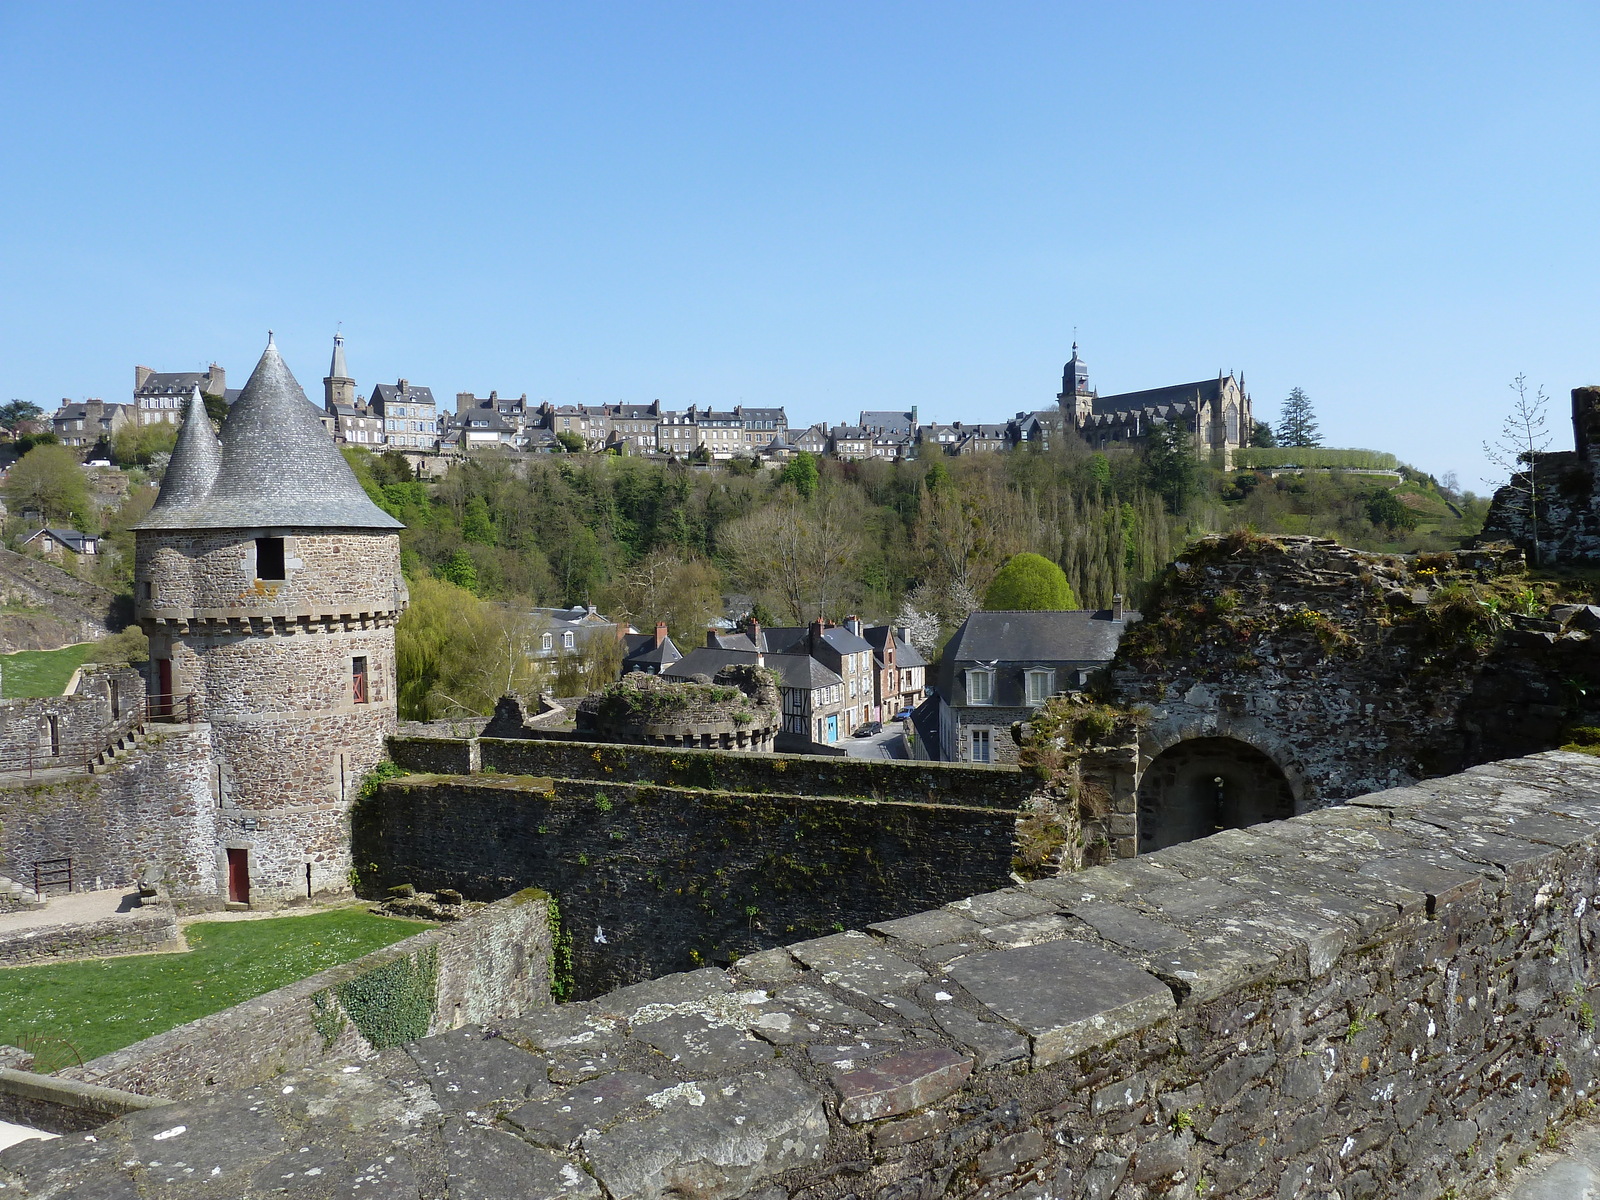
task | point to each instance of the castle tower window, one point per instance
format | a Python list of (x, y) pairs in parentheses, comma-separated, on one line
[(269, 558), (358, 680)]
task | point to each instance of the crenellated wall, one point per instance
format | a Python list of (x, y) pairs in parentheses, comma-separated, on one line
[(1390, 998)]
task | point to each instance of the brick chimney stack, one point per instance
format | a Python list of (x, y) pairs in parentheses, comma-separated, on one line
[(1116, 607), (661, 634), (853, 624), (140, 374), (711, 638)]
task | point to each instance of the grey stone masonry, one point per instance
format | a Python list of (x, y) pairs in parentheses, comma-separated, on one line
[(1393, 997)]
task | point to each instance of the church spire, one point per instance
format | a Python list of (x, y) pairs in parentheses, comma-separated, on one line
[(338, 388)]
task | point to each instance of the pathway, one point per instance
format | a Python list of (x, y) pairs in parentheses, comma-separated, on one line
[(66, 909), (1571, 1172)]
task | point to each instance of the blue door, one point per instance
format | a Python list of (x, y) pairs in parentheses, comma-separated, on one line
[(833, 728)]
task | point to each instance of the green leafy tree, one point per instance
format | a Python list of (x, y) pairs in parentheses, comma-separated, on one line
[(801, 471), (1261, 436), (1297, 423), (15, 412), (476, 524), (459, 570), (456, 655), (48, 480), (216, 408), (571, 442), (1170, 467), (1029, 582), (138, 445), (1385, 509)]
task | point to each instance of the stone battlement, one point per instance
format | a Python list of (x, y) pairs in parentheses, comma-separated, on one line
[(1393, 997)]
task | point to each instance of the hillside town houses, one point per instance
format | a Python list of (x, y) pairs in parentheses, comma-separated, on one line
[(405, 417)]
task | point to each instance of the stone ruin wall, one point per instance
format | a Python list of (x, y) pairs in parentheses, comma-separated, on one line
[(485, 967), (1560, 492), (152, 815), (1392, 997), (1352, 672), (664, 859), (106, 702)]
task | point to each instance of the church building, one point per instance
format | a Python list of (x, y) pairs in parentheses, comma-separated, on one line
[(1216, 412)]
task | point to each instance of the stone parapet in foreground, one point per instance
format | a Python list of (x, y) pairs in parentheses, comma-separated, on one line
[(1388, 998)]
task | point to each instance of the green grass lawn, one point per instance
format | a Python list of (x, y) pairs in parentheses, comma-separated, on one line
[(40, 672), (105, 1004)]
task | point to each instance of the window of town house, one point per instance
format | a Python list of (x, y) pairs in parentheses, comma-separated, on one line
[(980, 745), (567, 641), (1040, 684), (547, 642), (980, 687)]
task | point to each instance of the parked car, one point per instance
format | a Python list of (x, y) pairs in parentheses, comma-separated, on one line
[(903, 715), (870, 728)]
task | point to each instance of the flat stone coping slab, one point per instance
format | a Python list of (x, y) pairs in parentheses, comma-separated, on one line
[(1066, 996)]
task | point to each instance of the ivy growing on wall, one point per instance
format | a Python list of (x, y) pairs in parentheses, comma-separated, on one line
[(560, 960), (326, 1018), (394, 1003)]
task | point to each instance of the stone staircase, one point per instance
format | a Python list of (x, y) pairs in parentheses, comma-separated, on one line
[(125, 744), (15, 896)]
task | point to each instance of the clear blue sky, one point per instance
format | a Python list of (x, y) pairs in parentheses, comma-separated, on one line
[(825, 206)]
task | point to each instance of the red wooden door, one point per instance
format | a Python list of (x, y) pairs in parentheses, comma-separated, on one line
[(239, 876), (163, 705)]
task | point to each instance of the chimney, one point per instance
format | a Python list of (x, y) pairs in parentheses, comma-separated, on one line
[(218, 384), (1116, 607), (853, 624), (402, 385), (140, 374), (711, 638), (815, 634), (661, 634), (590, 610), (752, 628)]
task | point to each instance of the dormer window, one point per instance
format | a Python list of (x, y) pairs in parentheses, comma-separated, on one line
[(1041, 683), (547, 642), (980, 687), (567, 641)]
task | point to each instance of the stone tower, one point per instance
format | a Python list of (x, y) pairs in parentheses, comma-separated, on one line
[(1077, 398), (338, 387), (269, 585)]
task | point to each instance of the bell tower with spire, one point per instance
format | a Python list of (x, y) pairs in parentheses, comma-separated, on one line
[(269, 586), (1076, 397), (338, 387)]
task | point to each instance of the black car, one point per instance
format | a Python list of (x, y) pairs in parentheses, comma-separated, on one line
[(870, 728)]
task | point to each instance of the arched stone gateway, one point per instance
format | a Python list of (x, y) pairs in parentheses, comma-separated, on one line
[(1196, 787)]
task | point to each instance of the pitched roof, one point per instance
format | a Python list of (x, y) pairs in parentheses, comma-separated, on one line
[(390, 393), (278, 467), (642, 648), (1176, 394), (70, 538), (1078, 635), (905, 654)]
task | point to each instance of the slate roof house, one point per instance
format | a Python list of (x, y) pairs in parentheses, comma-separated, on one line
[(161, 395), (1000, 666), (899, 671), (53, 541), (574, 631), (649, 652), (89, 422)]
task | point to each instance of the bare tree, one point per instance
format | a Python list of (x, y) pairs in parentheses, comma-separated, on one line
[(1523, 437)]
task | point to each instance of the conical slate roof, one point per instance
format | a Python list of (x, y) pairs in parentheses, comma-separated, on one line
[(277, 467), (195, 461)]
